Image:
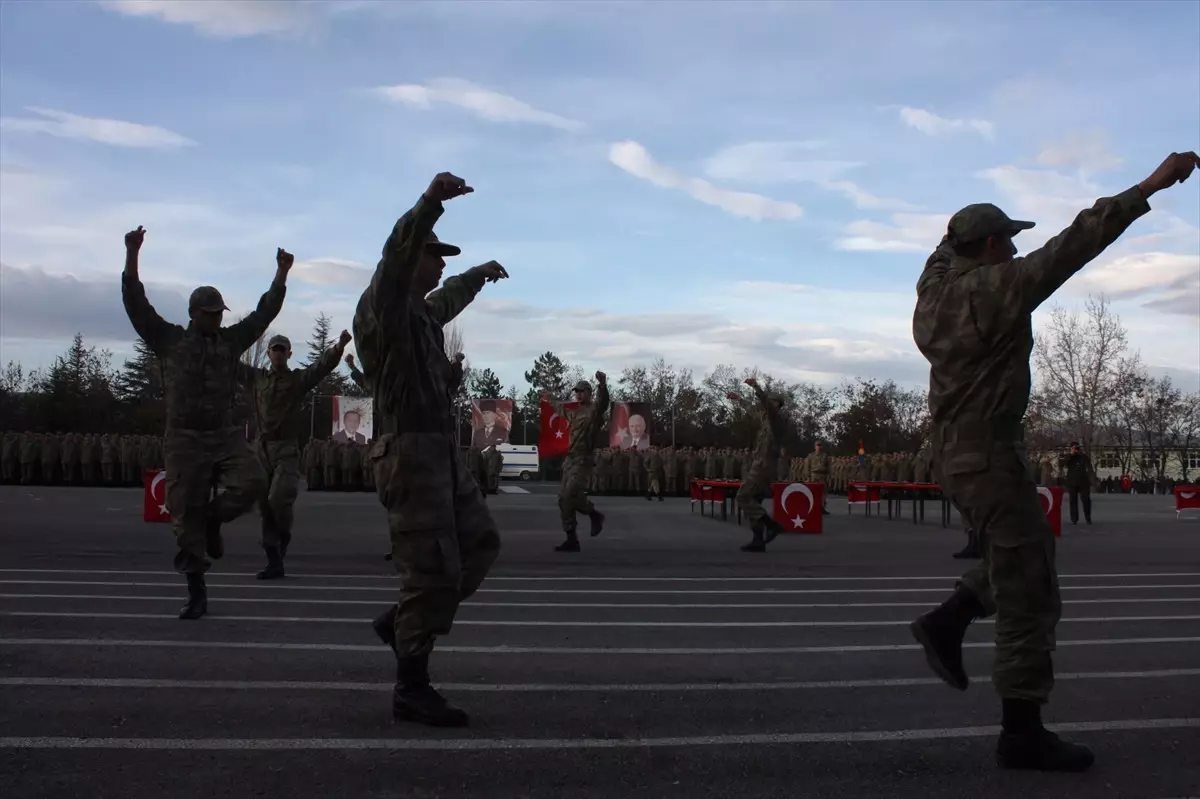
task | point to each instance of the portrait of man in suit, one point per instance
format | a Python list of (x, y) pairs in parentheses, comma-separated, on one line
[(491, 427), (634, 436), (351, 420)]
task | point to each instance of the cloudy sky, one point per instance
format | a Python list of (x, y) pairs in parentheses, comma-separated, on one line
[(746, 183)]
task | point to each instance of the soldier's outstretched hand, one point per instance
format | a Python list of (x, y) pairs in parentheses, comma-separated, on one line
[(350, 358), (601, 378), (284, 259), (459, 357), (491, 271), (134, 238), (1176, 168), (752, 382), (445, 186), (343, 340)]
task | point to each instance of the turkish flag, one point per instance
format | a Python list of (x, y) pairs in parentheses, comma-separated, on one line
[(798, 506), (1187, 498), (1051, 497), (555, 434), (154, 502)]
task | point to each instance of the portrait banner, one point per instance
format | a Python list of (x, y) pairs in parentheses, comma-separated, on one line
[(353, 419), (629, 426), (491, 422)]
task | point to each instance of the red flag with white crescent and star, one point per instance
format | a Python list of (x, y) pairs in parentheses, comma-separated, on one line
[(555, 434), (798, 506), (154, 502)]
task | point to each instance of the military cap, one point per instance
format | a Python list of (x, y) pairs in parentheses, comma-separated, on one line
[(583, 385), (487, 405), (977, 222), (279, 341), (438, 247), (207, 298)]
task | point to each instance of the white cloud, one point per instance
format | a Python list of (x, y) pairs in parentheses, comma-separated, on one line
[(227, 19), (1088, 152), (931, 124), (783, 162), (916, 233), (333, 272), (483, 103), (1172, 279), (633, 158), (105, 131)]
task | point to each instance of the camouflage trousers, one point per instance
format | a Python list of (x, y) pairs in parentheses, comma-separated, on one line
[(444, 540), (1017, 579), (654, 484), (749, 496), (195, 459), (572, 494), (280, 461)]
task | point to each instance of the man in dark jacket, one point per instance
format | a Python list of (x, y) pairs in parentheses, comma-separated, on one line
[(1079, 483)]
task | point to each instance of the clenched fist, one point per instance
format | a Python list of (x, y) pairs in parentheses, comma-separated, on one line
[(343, 340), (750, 381), (601, 378), (134, 238), (284, 259), (349, 359), (491, 271), (446, 187), (459, 357), (1176, 168)]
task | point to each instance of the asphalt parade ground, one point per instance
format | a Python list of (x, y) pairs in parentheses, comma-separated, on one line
[(659, 662)]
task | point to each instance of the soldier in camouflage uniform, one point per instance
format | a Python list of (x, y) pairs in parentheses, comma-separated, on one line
[(278, 393), (583, 422), (757, 483), (655, 475), (817, 465), (973, 324), (202, 443), (444, 540)]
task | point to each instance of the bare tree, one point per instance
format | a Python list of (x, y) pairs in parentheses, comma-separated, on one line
[(1079, 360), (256, 356), (1122, 414), (1185, 431), (1159, 406)]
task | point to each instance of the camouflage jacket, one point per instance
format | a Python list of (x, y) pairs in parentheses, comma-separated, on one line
[(199, 372), (400, 339), (278, 394), (770, 430), (583, 422), (972, 321)]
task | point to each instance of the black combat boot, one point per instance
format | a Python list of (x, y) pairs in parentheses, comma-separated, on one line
[(972, 550), (570, 545), (660, 497), (197, 604), (385, 626), (756, 543), (214, 545), (941, 631), (1026, 744), (274, 569), (771, 529), (414, 699), (597, 519)]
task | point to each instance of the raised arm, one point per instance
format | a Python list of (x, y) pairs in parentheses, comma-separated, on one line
[(251, 329), (456, 373), (315, 372), (456, 293), (1021, 285), (357, 376), (601, 396), (152, 328)]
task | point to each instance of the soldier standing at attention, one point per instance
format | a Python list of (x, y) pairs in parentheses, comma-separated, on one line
[(1079, 483), (583, 421), (278, 393), (972, 323), (444, 540), (757, 482), (202, 443)]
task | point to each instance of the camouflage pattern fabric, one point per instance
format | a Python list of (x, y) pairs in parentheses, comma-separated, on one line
[(584, 422), (757, 481)]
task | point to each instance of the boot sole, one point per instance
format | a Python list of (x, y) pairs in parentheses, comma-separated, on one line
[(935, 663)]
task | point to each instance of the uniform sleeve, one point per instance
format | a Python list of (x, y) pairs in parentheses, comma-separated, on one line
[(601, 402), (358, 377), (251, 329), (317, 371), (454, 295), (152, 328), (1008, 292)]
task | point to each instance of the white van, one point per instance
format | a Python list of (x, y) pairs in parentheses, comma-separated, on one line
[(520, 461)]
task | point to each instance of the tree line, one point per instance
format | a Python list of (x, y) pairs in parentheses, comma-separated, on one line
[(1090, 387)]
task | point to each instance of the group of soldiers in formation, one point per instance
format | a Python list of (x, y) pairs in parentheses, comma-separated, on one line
[(331, 465), (83, 459), (972, 323)]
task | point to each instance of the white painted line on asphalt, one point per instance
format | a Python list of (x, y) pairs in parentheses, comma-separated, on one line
[(290, 585), (508, 744), (513, 490), (556, 650), (572, 623), (578, 605), (303, 685), (534, 578)]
